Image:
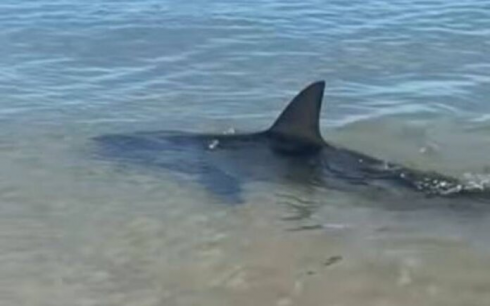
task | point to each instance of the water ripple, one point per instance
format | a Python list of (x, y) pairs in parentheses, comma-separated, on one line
[(376, 55)]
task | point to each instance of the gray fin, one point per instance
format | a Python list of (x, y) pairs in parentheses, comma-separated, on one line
[(301, 118), (227, 187)]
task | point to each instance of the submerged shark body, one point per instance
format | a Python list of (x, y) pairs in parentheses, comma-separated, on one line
[(292, 150)]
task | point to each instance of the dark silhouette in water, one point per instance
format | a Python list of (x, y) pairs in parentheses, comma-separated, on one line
[(292, 150)]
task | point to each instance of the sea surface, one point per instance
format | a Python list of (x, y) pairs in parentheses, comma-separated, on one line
[(407, 81)]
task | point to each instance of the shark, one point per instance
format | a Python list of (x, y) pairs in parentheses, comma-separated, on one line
[(292, 150)]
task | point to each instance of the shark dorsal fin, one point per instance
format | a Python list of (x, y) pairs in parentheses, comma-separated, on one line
[(301, 118)]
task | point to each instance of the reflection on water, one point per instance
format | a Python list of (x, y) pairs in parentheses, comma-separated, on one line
[(407, 81)]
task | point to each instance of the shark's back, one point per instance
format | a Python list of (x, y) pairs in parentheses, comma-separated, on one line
[(292, 148)]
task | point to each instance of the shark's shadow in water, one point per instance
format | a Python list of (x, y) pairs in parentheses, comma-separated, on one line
[(292, 151)]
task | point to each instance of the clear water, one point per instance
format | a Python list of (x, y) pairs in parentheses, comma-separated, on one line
[(407, 81)]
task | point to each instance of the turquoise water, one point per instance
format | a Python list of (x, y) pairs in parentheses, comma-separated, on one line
[(120, 60), (406, 80)]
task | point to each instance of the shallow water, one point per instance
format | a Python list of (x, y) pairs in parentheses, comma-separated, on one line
[(406, 81)]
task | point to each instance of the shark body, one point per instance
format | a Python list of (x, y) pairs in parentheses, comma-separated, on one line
[(291, 150)]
